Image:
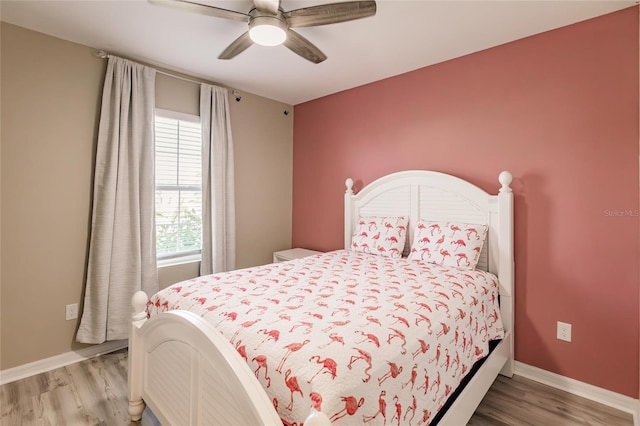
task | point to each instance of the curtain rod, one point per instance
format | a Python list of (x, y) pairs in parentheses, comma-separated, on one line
[(104, 55)]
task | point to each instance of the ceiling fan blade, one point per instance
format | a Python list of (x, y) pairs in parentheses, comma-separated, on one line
[(238, 46), (303, 47), (267, 6), (202, 9), (330, 13)]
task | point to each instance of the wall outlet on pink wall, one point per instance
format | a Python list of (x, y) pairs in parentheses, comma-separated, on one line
[(564, 331)]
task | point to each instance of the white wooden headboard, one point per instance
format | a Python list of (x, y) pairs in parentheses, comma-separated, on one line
[(436, 196)]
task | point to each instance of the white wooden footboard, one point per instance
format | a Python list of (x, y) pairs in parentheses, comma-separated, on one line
[(188, 373)]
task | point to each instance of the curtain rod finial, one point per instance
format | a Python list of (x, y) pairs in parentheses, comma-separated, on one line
[(102, 54)]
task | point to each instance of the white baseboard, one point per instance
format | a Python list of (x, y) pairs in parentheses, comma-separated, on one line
[(22, 371), (585, 390)]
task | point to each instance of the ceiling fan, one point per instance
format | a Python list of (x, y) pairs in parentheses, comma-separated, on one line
[(269, 25)]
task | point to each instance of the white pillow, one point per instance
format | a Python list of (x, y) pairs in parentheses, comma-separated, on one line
[(448, 243), (383, 235)]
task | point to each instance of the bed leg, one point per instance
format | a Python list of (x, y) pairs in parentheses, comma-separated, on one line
[(508, 369), (135, 410), (139, 317)]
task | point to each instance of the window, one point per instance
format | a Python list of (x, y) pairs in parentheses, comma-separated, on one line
[(178, 184)]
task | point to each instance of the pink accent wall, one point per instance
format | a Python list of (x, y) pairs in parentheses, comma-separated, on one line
[(560, 111)]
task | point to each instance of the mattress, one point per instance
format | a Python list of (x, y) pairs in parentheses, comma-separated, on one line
[(363, 338)]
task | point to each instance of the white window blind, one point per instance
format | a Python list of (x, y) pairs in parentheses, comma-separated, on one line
[(178, 184)]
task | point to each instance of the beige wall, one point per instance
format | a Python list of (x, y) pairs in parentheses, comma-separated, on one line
[(50, 105), (263, 143)]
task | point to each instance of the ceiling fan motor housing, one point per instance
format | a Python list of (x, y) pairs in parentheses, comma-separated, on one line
[(267, 29)]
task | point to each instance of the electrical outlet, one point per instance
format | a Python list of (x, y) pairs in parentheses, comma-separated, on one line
[(564, 331), (71, 311)]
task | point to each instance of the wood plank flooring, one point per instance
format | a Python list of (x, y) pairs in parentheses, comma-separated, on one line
[(91, 392), (94, 392), (520, 401)]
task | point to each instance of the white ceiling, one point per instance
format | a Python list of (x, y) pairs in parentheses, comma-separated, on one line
[(403, 36)]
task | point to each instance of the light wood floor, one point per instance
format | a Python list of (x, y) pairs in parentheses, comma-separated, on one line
[(94, 392)]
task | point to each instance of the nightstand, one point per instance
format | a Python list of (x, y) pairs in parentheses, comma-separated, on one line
[(295, 253)]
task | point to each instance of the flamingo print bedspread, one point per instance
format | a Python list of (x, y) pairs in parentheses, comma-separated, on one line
[(361, 337)]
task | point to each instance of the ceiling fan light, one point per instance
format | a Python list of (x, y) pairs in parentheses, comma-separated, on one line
[(267, 31)]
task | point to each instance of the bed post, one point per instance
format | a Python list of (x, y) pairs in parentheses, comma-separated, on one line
[(348, 213), (136, 405), (506, 264), (317, 418)]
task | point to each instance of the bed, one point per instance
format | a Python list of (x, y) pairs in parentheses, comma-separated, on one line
[(384, 330)]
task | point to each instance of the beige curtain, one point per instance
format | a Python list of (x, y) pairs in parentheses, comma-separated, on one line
[(218, 201), (122, 251)]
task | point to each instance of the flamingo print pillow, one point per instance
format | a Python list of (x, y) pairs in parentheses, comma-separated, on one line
[(448, 243), (380, 235)]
